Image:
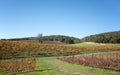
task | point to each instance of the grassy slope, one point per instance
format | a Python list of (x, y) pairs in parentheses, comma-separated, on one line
[(86, 44), (91, 44)]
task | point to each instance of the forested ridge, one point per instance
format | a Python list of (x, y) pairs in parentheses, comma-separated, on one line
[(108, 37), (41, 39)]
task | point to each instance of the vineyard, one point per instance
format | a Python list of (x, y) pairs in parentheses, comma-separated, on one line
[(20, 57), (9, 49), (107, 61), (15, 66)]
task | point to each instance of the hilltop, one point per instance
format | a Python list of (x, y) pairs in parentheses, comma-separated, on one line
[(107, 37), (52, 39)]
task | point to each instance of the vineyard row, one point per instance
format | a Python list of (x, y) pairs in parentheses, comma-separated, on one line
[(23, 49), (109, 61)]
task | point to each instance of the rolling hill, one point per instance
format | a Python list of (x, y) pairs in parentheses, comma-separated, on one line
[(51, 39), (108, 37)]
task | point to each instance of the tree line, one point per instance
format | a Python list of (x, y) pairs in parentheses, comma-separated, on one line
[(61, 38), (41, 39), (108, 37)]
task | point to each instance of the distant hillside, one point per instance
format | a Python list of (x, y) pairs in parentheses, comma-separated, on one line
[(108, 37), (50, 39)]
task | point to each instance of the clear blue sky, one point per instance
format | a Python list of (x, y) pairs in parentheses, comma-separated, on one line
[(79, 18)]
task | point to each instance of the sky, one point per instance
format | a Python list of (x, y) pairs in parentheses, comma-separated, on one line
[(78, 18)]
